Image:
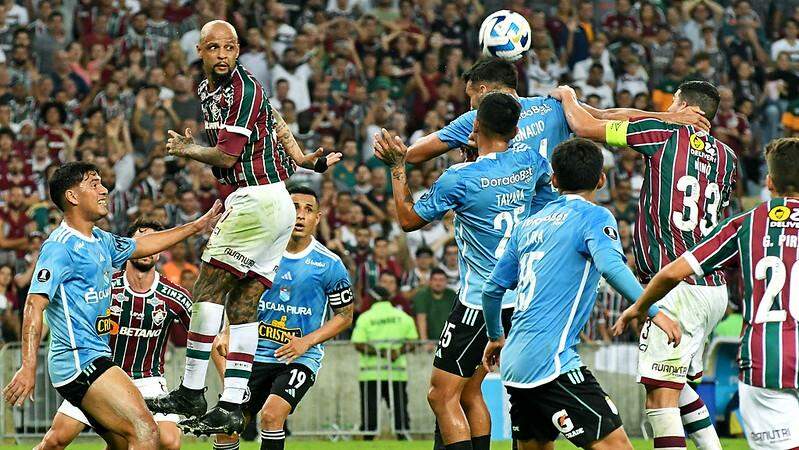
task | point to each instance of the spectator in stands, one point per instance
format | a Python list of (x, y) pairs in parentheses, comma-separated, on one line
[(383, 362), (594, 85), (9, 318), (178, 264), (432, 305), (449, 264)]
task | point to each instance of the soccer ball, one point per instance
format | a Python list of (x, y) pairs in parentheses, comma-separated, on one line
[(505, 34)]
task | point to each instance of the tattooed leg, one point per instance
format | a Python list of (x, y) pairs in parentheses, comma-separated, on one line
[(213, 285), (242, 308), (210, 290), (242, 302)]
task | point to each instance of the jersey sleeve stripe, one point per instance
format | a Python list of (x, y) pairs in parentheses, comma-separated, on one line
[(239, 130), (694, 263)]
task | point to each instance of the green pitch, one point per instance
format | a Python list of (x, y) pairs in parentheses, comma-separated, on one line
[(293, 444)]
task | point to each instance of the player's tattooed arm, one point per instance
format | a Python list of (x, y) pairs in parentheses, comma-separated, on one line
[(185, 147), (316, 161), (297, 346), (24, 381), (392, 152)]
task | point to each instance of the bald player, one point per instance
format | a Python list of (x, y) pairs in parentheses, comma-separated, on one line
[(253, 150)]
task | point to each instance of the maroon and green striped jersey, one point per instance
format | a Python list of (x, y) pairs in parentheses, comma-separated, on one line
[(239, 105), (764, 243), (688, 180), (144, 321)]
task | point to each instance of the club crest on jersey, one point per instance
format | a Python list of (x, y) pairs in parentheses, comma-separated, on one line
[(159, 315), (105, 324), (285, 294), (277, 331)]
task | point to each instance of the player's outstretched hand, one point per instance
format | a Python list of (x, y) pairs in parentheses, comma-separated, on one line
[(689, 115), (177, 144), (491, 354), (209, 219), (561, 92), (21, 386), (221, 344), (670, 327), (319, 162), (629, 314), (390, 149), (292, 350)]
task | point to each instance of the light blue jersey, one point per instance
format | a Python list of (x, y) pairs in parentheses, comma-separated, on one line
[(542, 126), (551, 260), (489, 196), (74, 273), (296, 304)]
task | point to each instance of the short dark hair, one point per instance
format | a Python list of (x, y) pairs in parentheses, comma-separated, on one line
[(144, 223), (437, 271), (577, 164), (66, 177), (8, 132), (781, 157), (499, 114), (702, 94), (303, 190), (493, 70), (424, 251)]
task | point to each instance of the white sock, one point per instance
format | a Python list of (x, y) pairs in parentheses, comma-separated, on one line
[(667, 427), (696, 420), (238, 367), (206, 320)]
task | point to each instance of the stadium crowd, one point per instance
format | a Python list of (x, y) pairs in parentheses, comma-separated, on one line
[(103, 81)]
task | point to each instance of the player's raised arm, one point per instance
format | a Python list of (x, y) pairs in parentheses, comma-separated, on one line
[(713, 252), (393, 153), (615, 132), (697, 120), (24, 381), (315, 161), (152, 243), (454, 135), (222, 155)]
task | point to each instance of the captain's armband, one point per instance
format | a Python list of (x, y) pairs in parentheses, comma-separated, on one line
[(616, 133)]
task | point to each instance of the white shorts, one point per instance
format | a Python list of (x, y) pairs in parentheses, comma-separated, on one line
[(770, 416), (698, 309), (150, 387), (252, 234)]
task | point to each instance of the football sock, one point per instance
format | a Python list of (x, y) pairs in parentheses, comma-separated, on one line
[(481, 442), (226, 446), (273, 440), (667, 427), (206, 319), (238, 364), (696, 420), (462, 445)]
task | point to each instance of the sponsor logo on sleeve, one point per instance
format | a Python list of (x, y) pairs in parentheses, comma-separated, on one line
[(44, 275), (611, 233)]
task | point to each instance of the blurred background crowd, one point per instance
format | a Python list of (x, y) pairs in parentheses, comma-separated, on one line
[(103, 81)]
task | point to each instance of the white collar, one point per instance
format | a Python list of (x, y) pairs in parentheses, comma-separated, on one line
[(302, 253), (140, 294), (78, 233)]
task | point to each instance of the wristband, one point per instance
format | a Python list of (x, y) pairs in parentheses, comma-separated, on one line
[(320, 166)]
